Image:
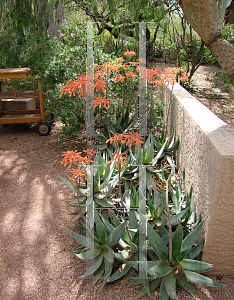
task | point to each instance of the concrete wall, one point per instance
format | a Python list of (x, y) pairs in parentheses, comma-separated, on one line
[(207, 153)]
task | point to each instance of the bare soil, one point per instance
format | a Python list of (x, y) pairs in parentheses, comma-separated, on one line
[(221, 102), (35, 262)]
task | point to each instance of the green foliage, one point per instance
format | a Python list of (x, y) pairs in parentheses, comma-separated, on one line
[(169, 145), (123, 123), (121, 208), (228, 33), (219, 80)]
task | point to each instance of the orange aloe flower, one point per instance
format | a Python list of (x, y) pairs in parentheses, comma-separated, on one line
[(120, 78), (119, 158), (169, 75), (72, 86), (131, 74), (87, 160), (101, 100), (117, 137), (115, 68), (133, 138), (100, 84), (90, 152), (78, 176), (99, 75), (129, 53), (183, 77), (71, 157), (119, 60)]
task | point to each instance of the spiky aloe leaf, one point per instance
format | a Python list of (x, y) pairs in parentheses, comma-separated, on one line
[(133, 223), (195, 265), (148, 152), (87, 255), (163, 255), (81, 239), (191, 238), (152, 286), (108, 257), (68, 184), (138, 161), (195, 251), (177, 218), (200, 279), (163, 292), (160, 270), (155, 238), (98, 222), (96, 264), (170, 285), (177, 242), (159, 155), (98, 274), (119, 273), (115, 219), (81, 227), (150, 264), (115, 236), (183, 281), (104, 202)]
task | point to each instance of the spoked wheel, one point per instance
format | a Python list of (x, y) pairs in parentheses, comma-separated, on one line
[(43, 128)]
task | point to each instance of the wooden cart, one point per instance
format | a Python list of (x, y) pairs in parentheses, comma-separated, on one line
[(25, 115)]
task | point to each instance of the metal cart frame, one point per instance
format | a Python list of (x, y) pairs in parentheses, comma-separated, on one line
[(23, 116)]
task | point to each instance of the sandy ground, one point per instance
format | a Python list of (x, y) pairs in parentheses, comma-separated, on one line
[(35, 262)]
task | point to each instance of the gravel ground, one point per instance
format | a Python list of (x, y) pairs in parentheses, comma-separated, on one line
[(35, 262)]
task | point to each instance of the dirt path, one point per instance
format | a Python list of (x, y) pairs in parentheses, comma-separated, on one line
[(34, 260)]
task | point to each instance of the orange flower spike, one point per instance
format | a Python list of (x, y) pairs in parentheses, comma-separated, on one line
[(169, 75), (90, 152), (157, 72), (100, 84), (131, 74), (87, 160), (99, 75), (78, 176), (120, 78), (71, 157), (119, 60), (115, 69), (117, 137), (119, 158), (101, 100), (129, 53), (132, 138), (183, 77)]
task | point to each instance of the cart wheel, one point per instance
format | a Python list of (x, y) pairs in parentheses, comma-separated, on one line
[(43, 128)]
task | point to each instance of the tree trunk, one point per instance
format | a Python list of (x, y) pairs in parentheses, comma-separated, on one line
[(206, 17), (55, 20), (223, 51)]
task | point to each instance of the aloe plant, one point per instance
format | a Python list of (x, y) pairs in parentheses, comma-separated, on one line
[(169, 145), (166, 271), (122, 125), (104, 178), (99, 249), (112, 245)]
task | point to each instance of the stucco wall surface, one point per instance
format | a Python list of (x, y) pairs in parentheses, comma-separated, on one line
[(206, 153)]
